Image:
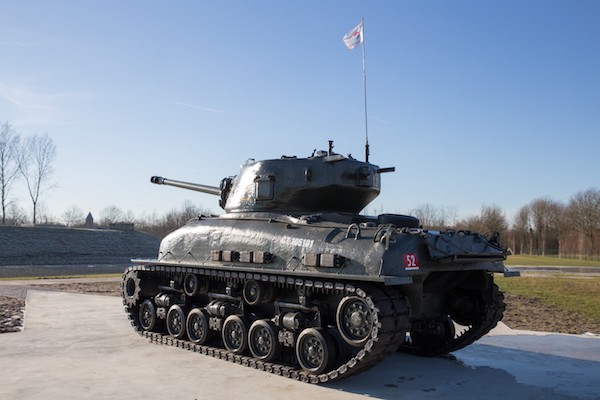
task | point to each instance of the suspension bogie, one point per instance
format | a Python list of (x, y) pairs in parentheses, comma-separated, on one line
[(231, 307)]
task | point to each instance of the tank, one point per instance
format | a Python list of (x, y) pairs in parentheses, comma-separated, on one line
[(292, 280)]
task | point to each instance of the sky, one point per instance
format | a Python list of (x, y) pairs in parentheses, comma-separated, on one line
[(474, 102)]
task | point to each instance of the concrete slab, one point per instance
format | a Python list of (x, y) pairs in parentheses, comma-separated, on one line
[(81, 346)]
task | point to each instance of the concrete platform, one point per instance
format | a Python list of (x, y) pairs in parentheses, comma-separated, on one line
[(81, 346)]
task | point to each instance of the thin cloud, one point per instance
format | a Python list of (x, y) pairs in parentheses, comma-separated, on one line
[(12, 44), (201, 108), (33, 107), (24, 98), (14, 37), (383, 121)]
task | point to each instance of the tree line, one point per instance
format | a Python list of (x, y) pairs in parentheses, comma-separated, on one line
[(24, 160), (544, 227), (154, 224)]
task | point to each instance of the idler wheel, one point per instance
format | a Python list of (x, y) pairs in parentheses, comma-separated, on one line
[(465, 306), (197, 326), (315, 350), (147, 315), (235, 334), (354, 320), (262, 340), (176, 322)]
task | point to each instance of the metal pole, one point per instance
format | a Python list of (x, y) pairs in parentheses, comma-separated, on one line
[(365, 90)]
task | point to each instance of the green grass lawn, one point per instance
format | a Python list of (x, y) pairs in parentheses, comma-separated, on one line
[(539, 260), (578, 294)]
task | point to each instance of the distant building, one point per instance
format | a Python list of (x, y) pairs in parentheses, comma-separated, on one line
[(89, 221)]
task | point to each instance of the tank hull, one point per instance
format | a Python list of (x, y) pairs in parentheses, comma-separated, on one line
[(364, 251), (315, 298)]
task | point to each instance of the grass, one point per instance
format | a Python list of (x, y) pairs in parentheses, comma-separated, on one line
[(574, 294), (522, 259)]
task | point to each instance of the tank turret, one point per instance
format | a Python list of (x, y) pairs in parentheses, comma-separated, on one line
[(323, 182)]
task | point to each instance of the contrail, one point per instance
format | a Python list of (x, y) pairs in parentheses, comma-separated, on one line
[(383, 121), (201, 108)]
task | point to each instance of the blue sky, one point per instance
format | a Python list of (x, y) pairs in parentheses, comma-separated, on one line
[(474, 102)]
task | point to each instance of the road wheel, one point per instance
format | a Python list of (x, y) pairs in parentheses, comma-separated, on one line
[(176, 321), (315, 350), (197, 326), (147, 315), (235, 334), (263, 341), (354, 320)]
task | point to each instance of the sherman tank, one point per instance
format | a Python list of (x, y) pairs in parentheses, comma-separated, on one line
[(292, 280)]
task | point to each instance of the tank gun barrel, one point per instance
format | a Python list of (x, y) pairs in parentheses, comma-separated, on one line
[(159, 180)]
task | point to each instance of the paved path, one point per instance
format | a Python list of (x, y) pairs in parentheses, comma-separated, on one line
[(78, 346)]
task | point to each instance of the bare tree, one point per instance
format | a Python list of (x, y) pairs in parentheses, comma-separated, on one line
[(148, 223), (490, 220), (522, 231), (584, 211), (563, 228), (493, 220), (35, 163), (129, 217), (15, 215), (110, 215), (161, 226), (448, 215), (545, 218), (433, 217), (427, 214), (9, 167), (176, 218), (44, 216), (73, 216)]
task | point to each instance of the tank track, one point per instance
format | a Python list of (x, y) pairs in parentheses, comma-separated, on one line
[(491, 314), (390, 310)]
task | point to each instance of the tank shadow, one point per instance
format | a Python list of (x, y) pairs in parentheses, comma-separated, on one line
[(480, 371)]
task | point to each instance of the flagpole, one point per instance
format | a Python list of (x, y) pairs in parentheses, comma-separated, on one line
[(365, 90), (351, 40)]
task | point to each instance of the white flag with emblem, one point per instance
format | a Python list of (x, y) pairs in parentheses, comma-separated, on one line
[(354, 37)]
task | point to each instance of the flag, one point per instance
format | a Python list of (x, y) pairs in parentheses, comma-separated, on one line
[(354, 37)]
